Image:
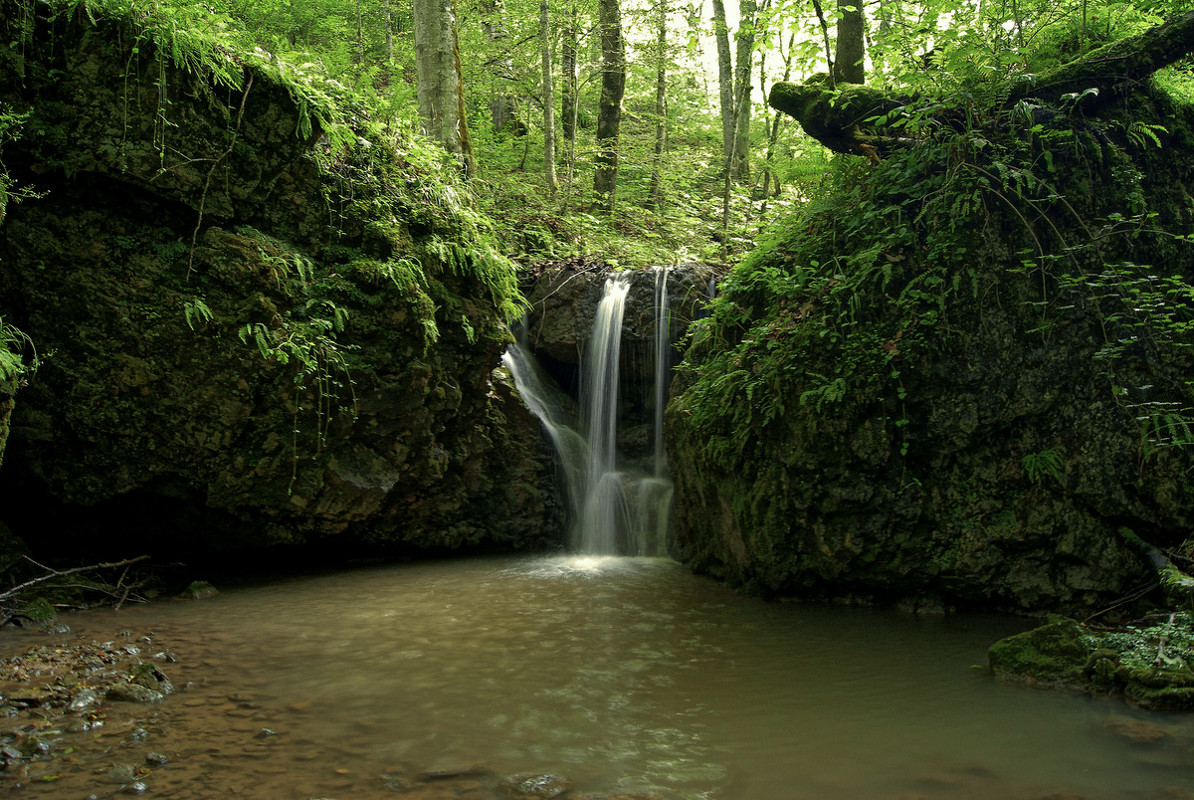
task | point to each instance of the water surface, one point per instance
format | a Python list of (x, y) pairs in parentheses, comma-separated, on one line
[(621, 674)]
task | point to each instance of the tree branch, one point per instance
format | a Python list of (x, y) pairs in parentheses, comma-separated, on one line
[(52, 574), (837, 118)]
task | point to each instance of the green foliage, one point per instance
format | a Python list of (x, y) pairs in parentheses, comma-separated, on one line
[(1047, 462), (10, 129), (1167, 643), (197, 312), (897, 255), (18, 356)]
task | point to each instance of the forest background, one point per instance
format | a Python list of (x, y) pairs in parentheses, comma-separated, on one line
[(539, 81)]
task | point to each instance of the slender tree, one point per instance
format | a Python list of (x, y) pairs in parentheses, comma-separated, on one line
[(440, 85), (502, 108), (609, 112), (549, 100), (777, 121), (744, 57), (656, 196), (568, 50), (725, 80)]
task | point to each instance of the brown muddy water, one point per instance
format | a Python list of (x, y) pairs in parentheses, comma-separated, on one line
[(623, 675)]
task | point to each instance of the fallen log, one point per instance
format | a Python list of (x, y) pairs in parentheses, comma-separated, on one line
[(845, 119)]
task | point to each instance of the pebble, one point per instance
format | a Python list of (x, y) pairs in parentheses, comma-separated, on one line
[(84, 700), (121, 773), (156, 759), (530, 785)]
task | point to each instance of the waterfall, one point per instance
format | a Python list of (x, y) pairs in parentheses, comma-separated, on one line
[(615, 509), (570, 447), (604, 513), (663, 346)]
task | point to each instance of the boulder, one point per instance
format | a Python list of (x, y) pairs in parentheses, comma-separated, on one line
[(258, 337)]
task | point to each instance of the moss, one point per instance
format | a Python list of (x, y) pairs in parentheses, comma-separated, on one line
[(1054, 654), (1147, 663)]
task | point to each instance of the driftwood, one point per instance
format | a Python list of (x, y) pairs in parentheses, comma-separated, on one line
[(844, 119)]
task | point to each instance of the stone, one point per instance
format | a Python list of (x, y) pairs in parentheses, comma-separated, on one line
[(532, 786), (133, 693), (1051, 655), (83, 700), (158, 420), (199, 590), (121, 773), (1137, 730)]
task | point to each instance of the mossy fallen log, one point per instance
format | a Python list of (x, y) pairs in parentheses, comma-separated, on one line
[(856, 119)]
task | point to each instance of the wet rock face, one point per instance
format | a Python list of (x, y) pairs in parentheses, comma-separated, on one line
[(564, 300), (273, 384)]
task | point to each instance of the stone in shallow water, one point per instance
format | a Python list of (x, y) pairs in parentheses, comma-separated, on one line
[(133, 693), (1136, 730), (453, 771), (122, 773), (529, 785)]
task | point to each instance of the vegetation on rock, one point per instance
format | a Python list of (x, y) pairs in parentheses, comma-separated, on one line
[(1148, 661), (960, 371), (253, 300)]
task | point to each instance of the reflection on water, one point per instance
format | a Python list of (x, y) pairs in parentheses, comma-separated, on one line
[(624, 674)]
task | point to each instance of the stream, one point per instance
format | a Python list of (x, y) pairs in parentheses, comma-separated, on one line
[(622, 674)]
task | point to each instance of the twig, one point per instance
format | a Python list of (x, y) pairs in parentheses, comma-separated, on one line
[(16, 590), (240, 113)]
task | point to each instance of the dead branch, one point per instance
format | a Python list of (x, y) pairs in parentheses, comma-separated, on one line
[(53, 573)]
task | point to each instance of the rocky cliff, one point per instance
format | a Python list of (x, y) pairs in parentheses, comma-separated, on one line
[(962, 378), (259, 324)]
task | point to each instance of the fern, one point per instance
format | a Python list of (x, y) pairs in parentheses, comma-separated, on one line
[(1048, 462), (197, 311)]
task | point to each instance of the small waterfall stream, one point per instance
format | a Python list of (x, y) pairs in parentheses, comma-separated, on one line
[(615, 509)]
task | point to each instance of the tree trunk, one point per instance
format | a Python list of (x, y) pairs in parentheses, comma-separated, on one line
[(725, 80), (660, 107), (740, 163), (773, 137), (824, 37), (839, 122), (568, 49), (385, 5), (440, 85), (549, 99), (850, 47), (502, 107), (609, 114)]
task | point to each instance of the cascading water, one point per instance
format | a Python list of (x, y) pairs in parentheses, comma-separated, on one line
[(604, 514), (570, 447), (616, 510)]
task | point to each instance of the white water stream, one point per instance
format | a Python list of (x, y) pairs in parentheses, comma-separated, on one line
[(616, 510)]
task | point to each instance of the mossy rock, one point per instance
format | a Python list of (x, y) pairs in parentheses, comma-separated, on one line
[(1055, 654), (199, 590), (1165, 698)]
